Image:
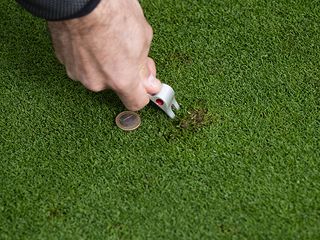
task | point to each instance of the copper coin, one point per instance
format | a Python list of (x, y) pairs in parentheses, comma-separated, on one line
[(128, 120)]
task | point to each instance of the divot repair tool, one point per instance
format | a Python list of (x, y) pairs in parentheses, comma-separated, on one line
[(166, 100)]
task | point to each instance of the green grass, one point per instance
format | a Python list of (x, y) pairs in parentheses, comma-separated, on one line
[(241, 161)]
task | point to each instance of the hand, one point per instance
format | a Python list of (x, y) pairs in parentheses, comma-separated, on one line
[(108, 49)]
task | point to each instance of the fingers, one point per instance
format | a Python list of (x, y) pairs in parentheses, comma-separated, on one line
[(135, 94), (138, 97), (134, 97), (86, 73), (151, 66), (151, 83), (133, 91), (148, 75)]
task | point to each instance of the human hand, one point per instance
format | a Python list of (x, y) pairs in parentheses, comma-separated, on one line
[(108, 49)]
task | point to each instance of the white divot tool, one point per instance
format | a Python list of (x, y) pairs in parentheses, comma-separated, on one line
[(166, 100)]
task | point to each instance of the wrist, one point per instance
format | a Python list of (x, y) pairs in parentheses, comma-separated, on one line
[(85, 24), (58, 10)]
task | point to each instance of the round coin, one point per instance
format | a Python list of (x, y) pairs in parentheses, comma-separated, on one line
[(128, 120)]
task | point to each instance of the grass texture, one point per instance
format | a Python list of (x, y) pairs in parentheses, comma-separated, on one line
[(241, 160)]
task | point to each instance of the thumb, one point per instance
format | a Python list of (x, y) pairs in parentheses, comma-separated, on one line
[(152, 85)]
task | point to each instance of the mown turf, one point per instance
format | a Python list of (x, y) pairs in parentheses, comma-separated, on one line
[(241, 161)]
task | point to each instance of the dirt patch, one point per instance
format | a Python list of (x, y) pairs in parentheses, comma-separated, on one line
[(180, 57), (56, 213), (187, 123), (195, 119)]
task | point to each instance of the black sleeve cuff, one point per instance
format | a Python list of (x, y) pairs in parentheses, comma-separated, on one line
[(57, 10)]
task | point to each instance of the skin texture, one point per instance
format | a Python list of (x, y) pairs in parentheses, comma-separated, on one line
[(108, 49)]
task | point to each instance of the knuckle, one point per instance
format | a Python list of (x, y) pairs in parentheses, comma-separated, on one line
[(149, 33), (94, 87), (70, 74), (138, 104)]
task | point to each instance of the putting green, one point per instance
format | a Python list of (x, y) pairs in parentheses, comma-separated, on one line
[(241, 160)]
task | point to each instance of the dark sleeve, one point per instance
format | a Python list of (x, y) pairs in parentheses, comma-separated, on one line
[(59, 9)]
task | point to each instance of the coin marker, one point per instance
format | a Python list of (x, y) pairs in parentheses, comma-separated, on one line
[(128, 120)]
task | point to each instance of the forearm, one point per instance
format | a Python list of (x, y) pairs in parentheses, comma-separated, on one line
[(59, 9)]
